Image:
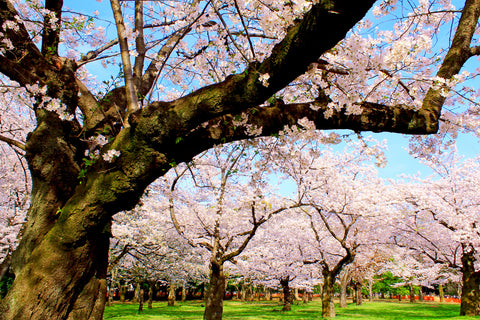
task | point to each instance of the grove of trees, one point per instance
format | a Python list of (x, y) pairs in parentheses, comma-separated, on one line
[(179, 79)]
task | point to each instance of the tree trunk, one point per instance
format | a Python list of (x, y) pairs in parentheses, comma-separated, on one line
[(123, 292), (62, 278), (171, 295), (268, 294), (370, 289), (305, 296), (470, 285), (215, 293), (287, 296), (150, 294), (328, 306), (440, 292), (136, 294), (420, 294), (358, 293), (184, 293), (412, 293), (343, 291), (141, 293)]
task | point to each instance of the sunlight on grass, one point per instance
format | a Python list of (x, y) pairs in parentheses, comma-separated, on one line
[(234, 310)]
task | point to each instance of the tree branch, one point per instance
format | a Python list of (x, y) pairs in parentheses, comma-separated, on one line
[(131, 94), (13, 143), (51, 28)]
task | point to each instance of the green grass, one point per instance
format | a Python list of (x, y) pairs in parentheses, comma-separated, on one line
[(234, 310)]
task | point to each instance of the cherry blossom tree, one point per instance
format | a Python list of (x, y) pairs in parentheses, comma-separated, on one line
[(344, 201), (217, 202), (275, 258), (441, 221), (194, 74)]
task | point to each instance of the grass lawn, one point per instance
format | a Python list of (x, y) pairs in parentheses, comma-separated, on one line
[(234, 310)]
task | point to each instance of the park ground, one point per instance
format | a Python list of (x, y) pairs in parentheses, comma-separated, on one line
[(236, 310)]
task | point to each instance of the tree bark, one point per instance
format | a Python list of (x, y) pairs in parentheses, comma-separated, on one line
[(344, 278), (287, 295), (440, 293), (184, 293), (150, 294), (358, 293), (412, 293), (215, 293), (470, 285), (141, 294), (328, 305), (171, 295)]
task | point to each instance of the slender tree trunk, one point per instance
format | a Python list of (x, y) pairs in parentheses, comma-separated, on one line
[(171, 294), (123, 291), (305, 296), (440, 292), (111, 292), (470, 285), (287, 296), (295, 294), (215, 293), (150, 294), (328, 306), (420, 294), (370, 289), (184, 294), (141, 293), (343, 289)]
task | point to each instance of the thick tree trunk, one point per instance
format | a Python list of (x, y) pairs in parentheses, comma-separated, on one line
[(412, 293), (171, 295), (470, 285), (62, 279), (287, 296), (215, 293), (358, 293), (328, 305)]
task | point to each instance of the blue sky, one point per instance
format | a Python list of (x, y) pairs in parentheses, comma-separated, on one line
[(398, 159)]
